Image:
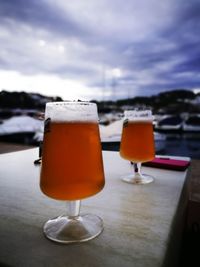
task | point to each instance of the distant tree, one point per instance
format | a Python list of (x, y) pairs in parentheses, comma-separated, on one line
[(23, 100), (57, 99), (177, 94)]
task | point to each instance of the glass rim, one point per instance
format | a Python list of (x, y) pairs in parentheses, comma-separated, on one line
[(71, 111), (70, 102), (135, 114)]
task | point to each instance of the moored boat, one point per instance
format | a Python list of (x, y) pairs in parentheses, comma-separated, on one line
[(169, 123), (19, 129), (192, 124)]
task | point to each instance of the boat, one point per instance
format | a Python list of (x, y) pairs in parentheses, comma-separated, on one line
[(192, 124), (19, 129), (170, 123), (108, 118)]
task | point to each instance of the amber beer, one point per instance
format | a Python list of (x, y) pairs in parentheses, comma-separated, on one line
[(137, 143), (72, 166)]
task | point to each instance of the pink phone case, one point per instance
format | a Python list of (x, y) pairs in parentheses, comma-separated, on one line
[(168, 163)]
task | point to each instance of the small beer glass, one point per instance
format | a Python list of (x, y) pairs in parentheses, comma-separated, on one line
[(137, 143)]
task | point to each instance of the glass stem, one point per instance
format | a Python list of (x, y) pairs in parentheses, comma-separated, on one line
[(73, 208), (137, 169)]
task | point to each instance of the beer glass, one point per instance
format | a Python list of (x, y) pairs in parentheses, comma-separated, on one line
[(72, 168), (137, 143)]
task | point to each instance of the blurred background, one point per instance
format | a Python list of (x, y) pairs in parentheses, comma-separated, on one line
[(176, 120), (119, 55)]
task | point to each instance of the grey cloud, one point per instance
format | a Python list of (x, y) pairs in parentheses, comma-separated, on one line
[(181, 35), (39, 14), (166, 52)]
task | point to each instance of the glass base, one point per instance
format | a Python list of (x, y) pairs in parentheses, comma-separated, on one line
[(65, 229), (138, 179)]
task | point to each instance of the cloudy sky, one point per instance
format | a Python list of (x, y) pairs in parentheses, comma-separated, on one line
[(99, 49)]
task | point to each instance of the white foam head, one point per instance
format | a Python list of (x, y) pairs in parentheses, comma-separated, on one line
[(67, 111), (138, 115)]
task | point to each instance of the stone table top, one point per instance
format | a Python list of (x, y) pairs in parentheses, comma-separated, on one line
[(142, 223)]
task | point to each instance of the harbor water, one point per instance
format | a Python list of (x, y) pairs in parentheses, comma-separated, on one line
[(173, 144), (183, 144)]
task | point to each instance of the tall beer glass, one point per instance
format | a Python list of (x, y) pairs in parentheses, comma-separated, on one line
[(72, 168), (137, 143)]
